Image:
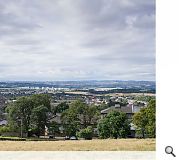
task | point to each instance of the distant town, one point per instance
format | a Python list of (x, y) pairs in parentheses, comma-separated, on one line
[(10, 89), (91, 92)]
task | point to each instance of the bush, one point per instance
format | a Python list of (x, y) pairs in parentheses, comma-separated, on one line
[(86, 133), (4, 129)]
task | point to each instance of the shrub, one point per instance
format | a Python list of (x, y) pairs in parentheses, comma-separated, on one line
[(86, 133), (4, 129)]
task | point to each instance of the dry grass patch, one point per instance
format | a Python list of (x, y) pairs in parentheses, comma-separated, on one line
[(81, 145)]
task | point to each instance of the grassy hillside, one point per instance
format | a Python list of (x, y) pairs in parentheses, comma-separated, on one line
[(80, 145)]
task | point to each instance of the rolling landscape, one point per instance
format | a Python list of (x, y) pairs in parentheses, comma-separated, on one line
[(96, 99), (77, 75)]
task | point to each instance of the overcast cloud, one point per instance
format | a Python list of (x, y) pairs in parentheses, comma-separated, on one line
[(77, 39)]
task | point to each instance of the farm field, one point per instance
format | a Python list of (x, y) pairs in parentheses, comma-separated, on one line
[(80, 145), (130, 94)]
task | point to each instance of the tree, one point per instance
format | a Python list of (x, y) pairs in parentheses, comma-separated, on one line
[(114, 125), (93, 115), (86, 114), (60, 108), (53, 128), (41, 99), (104, 129), (145, 120), (21, 110), (151, 115), (140, 120), (39, 119), (78, 116), (70, 122)]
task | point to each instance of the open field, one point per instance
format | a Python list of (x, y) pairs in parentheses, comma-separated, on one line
[(130, 94), (80, 145), (77, 92)]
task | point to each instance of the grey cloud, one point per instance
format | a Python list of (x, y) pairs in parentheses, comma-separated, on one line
[(67, 39), (112, 13), (12, 23)]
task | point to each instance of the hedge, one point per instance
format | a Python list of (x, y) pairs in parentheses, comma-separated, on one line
[(12, 139)]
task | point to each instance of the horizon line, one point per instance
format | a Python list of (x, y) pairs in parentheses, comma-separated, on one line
[(74, 80)]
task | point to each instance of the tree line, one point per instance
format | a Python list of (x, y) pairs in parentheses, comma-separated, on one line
[(32, 114)]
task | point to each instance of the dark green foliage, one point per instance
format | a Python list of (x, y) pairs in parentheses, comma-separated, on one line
[(60, 108), (151, 115), (79, 115), (86, 114), (145, 120), (114, 125), (53, 128), (24, 108), (104, 128), (41, 99), (39, 119), (70, 122), (4, 129), (20, 110), (140, 120), (86, 133)]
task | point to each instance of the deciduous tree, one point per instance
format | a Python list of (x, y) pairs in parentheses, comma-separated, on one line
[(114, 125), (145, 120)]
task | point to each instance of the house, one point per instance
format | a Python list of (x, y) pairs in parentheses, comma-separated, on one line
[(128, 109)]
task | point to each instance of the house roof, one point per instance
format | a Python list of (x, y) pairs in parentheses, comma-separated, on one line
[(125, 109)]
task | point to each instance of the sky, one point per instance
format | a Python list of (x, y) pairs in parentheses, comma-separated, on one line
[(77, 40)]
